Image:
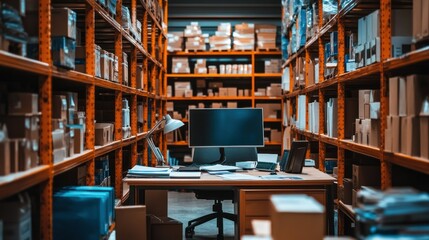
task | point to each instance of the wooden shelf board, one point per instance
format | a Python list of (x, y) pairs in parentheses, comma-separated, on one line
[(128, 141), (101, 150), (359, 73), (128, 90), (14, 183), (72, 162), (209, 53), (272, 120), (141, 136), (210, 99), (328, 83), (184, 75), (329, 140), (328, 25), (415, 163), (360, 148), (141, 93), (268, 98), (107, 84), (347, 209), (408, 59), (312, 88), (17, 62), (179, 143), (105, 15), (72, 75), (314, 136), (261, 53), (273, 143), (268, 75)]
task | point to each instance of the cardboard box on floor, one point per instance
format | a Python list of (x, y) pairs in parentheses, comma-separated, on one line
[(163, 228), (131, 222)]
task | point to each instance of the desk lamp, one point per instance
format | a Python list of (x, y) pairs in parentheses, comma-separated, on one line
[(169, 126)]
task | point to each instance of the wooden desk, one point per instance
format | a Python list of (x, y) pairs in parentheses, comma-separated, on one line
[(252, 196)]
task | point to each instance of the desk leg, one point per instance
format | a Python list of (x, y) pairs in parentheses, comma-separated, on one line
[(329, 210)]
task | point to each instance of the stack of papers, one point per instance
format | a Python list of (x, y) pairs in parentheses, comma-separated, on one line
[(149, 172), (219, 167)]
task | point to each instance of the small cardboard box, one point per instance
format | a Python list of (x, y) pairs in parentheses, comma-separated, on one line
[(63, 23), (130, 222), (23, 127), (103, 133), (292, 214), (4, 155), (63, 52), (23, 103), (59, 107), (164, 228), (365, 175)]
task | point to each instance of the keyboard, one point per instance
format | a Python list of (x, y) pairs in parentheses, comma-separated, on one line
[(190, 168), (266, 166)]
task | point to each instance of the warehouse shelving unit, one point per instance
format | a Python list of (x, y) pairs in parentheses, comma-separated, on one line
[(241, 81), (374, 76), (42, 77)]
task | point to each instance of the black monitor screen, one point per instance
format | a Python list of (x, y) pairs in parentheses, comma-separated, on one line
[(226, 127)]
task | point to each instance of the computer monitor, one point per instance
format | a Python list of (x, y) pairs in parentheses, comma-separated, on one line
[(296, 157), (240, 154), (226, 127)]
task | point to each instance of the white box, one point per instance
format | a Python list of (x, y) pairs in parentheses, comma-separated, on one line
[(292, 214), (374, 110), (399, 44), (402, 97), (361, 30)]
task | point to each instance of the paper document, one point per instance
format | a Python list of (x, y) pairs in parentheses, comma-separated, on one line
[(143, 171), (219, 167), (238, 176), (280, 177), (267, 157), (140, 168), (185, 174)]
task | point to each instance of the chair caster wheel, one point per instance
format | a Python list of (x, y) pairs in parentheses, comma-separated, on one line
[(189, 232)]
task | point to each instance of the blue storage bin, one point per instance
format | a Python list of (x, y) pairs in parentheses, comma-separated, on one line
[(82, 210), (111, 200)]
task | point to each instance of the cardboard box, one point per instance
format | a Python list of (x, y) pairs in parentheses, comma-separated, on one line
[(23, 127), (59, 107), (103, 133), (402, 97), (388, 135), (414, 98), (164, 228), (130, 222), (63, 23), (412, 140), (424, 137), (4, 154), (425, 18), (354, 198), (80, 59), (393, 96), (157, 202), (104, 64), (292, 214), (417, 19), (98, 61), (63, 52), (16, 217), (396, 134), (23, 103), (79, 137), (365, 175)]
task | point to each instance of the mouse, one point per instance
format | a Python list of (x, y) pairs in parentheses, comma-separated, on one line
[(273, 173)]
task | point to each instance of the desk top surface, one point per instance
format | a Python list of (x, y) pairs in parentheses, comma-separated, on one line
[(309, 176)]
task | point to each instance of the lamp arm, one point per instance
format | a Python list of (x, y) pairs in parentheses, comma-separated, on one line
[(158, 155), (155, 127)]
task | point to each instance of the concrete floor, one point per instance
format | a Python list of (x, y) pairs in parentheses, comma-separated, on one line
[(183, 206)]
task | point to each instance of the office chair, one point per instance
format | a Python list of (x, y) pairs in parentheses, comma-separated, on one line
[(217, 195)]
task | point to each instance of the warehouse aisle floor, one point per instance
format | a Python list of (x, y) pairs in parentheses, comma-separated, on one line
[(183, 206)]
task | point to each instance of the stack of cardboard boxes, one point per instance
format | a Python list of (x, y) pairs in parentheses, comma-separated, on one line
[(180, 65), (63, 32), (19, 137), (175, 41), (368, 124), (420, 19), (195, 39), (266, 36), (273, 66), (222, 38), (15, 217), (244, 36), (408, 120)]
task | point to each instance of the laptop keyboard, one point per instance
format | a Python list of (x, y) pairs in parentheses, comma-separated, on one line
[(266, 166)]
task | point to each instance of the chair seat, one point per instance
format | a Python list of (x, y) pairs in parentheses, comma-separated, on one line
[(220, 195)]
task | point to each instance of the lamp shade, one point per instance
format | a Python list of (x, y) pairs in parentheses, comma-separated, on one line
[(171, 124)]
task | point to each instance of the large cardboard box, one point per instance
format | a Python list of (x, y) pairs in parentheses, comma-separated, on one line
[(24, 127), (393, 96), (412, 140), (16, 216), (130, 222), (365, 175), (157, 202), (424, 137), (63, 52), (22, 103), (417, 19), (63, 23), (414, 99), (164, 228), (396, 134), (291, 215), (103, 133)]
